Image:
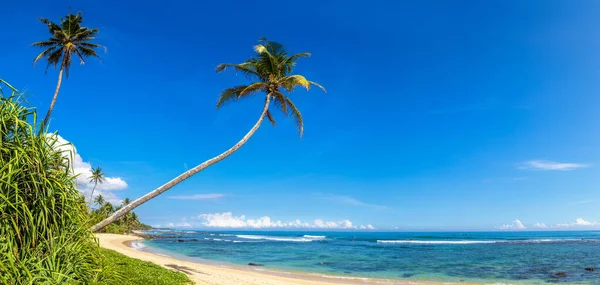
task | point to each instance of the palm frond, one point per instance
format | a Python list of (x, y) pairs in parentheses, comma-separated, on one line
[(279, 102), (318, 85), (85, 34), (48, 43), (229, 94), (292, 81), (290, 62), (52, 27), (80, 56), (54, 58), (254, 87), (43, 54), (87, 52), (295, 113), (244, 68), (270, 117)]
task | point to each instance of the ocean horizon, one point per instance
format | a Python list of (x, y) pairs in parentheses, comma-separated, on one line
[(530, 257)]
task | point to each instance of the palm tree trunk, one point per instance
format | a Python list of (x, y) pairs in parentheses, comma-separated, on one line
[(92, 195), (116, 215), (60, 76)]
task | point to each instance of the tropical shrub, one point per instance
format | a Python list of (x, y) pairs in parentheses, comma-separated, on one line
[(44, 231)]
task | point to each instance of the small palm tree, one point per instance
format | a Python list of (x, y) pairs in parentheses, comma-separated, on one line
[(271, 68), (126, 202), (96, 177), (68, 39), (99, 200)]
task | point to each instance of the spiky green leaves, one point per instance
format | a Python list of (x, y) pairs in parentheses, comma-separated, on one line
[(67, 39), (271, 67)]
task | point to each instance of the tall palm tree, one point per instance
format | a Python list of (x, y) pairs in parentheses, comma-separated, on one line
[(96, 177), (99, 200), (271, 68), (68, 39)]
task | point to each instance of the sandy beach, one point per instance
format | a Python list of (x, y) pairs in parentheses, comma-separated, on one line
[(214, 274)]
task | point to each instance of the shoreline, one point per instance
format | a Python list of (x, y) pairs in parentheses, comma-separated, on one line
[(201, 273)]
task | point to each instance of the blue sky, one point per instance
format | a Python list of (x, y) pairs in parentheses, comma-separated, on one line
[(440, 115)]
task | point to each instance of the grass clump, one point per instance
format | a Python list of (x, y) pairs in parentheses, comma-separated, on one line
[(44, 232), (130, 271)]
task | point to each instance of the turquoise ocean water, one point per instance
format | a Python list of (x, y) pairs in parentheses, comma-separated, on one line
[(479, 257)]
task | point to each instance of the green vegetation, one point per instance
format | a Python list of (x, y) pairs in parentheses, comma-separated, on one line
[(130, 222), (271, 68), (130, 271), (68, 39), (44, 226)]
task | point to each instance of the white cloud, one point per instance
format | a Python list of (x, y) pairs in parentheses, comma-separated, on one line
[(550, 165), (83, 170), (540, 226), (579, 222), (228, 220), (353, 202), (582, 222), (516, 225), (210, 196)]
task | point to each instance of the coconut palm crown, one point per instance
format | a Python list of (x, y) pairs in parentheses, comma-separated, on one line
[(271, 67), (67, 39)]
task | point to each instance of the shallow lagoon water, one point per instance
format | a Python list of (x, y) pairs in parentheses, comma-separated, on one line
[(482, 257)]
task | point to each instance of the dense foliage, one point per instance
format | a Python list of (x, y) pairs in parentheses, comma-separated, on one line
[(134, 271), (44, 226), (127, 224)]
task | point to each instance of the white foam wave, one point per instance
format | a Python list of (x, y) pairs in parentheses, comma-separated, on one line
[(478, 241), (274, 238), (437, 241), (343, 277), (314, 237), (137, 245)]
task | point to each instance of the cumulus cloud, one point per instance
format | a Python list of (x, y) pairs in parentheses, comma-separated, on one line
[(550, 165), (210, 196), (83, 170), (516, 225), (540, 226), (228, 220), (579, 223)]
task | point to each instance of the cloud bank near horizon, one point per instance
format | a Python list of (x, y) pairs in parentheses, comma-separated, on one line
[(227, 220), (578, 223)]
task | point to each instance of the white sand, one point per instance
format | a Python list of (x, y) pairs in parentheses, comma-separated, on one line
[(213, 274)]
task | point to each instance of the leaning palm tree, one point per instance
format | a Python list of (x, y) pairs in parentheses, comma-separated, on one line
[(96, 177), (68, 39), (271, 68)]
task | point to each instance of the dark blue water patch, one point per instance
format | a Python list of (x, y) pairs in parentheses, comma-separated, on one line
[(498, 257)]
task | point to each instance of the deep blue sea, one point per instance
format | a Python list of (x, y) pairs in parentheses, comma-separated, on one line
[(479, 257)]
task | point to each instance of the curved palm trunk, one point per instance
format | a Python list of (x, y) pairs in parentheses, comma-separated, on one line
[(60, 76), (92, 195), (116, 215)]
